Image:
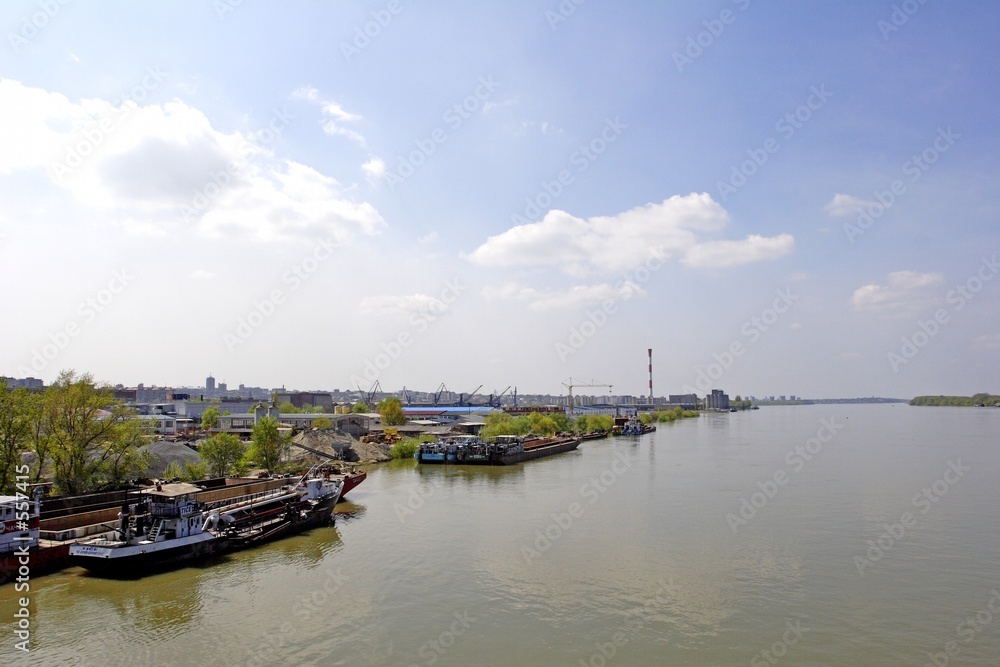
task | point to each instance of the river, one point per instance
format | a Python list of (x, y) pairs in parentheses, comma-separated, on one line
[(798, 535)]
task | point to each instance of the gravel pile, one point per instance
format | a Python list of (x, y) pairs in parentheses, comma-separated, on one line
[(342, 446), (167, 452)]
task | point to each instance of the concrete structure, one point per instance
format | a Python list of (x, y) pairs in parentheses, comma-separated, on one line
[(685, 401), (26, 383), (717, 400)]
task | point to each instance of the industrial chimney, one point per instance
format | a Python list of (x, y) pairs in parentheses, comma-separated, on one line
[(650, 350)]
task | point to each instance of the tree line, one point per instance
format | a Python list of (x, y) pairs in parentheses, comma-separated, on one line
[(77, 436), (966, 401)]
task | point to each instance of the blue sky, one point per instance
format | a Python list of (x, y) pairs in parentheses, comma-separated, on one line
[(778, 198)]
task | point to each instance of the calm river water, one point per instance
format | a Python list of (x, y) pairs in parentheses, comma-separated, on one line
[(869, 535)]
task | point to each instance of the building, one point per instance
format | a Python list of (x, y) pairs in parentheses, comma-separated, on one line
[(355, 425), (210, 383), (26, 383), (717, 400), (300, 398), (684, 401)]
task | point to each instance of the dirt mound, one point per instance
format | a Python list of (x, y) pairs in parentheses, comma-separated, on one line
[(336, 444), (368, 452)]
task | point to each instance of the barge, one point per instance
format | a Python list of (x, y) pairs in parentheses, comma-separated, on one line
[(169, 526), (501, 450)]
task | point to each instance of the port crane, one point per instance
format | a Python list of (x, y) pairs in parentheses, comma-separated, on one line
[(437, 394), (368, 398), (569, 385), (495, 397), (461, 397)]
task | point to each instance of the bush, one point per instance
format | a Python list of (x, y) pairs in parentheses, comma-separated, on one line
[(404, 449)]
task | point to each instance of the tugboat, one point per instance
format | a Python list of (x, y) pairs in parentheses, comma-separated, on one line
[(168, 526)]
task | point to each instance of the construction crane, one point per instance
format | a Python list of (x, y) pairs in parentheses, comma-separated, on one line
[(495, 397), (406, 395), (461, 397), (437, 394), (368, 398), (569, 385)]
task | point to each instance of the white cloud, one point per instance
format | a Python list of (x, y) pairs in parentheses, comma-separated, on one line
[(158, 166), (334, 115), (845, 205), (374, 169), (754, 248), (626, 240), (579, 296), (904, 292)]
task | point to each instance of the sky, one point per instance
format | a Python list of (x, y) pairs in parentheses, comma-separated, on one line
[(776, 198)]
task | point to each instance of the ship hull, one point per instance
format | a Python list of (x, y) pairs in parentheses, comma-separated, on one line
[(134, 561), (40, 560)]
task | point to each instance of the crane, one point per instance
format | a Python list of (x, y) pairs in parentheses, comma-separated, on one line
[(569, 385), (495, 397), (406, 395), (368, 398), (461, 397), (437, 394)]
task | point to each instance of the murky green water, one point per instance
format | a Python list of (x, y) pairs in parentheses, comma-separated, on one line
[(620, 553)]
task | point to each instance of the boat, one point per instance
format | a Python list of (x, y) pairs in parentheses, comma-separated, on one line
[(169, 526), (431, 452), (632, 426), (22, 555), (499, 450), (351, 479)]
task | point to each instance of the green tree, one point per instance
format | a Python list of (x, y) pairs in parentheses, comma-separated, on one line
[(189, 472), (221, 453), (360, 407), (322, 422), (267, 444), (210, 418), (391, 411), (93, 439), (287, 408), (15, 431)]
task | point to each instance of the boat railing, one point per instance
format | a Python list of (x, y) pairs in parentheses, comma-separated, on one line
[(241, 500)]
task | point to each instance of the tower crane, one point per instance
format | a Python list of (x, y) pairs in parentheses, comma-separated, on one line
[(569, 385)]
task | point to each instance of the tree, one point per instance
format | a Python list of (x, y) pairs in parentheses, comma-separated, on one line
[(93, 439), (322, 422), (287, 408), (14, 434), (360, 407), (391, 411), (210, 418), (189, 472), (267, 444), (221, 453)]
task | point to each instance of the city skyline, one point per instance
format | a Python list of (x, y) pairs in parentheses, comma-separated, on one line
[(768, 196)]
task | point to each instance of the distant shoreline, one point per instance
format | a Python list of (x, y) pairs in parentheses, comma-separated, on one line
[(975, 401), (818, 401)]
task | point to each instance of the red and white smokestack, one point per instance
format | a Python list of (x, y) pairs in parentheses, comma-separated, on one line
[(650, 350)]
